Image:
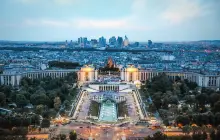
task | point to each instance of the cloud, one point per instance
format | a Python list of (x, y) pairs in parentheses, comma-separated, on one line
[(144, 15), (65, 2), (59, 2), (181, 10), (86, 23), (45, 22), (102, 24), (27, 1), (169, 12)]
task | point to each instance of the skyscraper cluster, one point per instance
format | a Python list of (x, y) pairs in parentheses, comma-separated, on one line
[(112, 41), (126, 42), (119, 41), (101, 42), (82, 41)]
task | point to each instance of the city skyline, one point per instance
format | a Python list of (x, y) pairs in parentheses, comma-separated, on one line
[(140, 20)]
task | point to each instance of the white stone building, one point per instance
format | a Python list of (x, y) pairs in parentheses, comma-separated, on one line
[(132, 74), (128, 74)]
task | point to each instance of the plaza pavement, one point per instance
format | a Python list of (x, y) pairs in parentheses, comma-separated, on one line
[(84, 108), (107, 133)]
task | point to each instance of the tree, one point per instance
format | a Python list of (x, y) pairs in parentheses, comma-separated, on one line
[(35, 119), (57, 103), (214, 97), (62, 137), (208, 91), (190, 100), (173, 100), (157, 136), (45, 123), (213, 135), (25, 82), (73, 92), (21, 100), (202, 100), (73, 135), (40, 98), (166, 122), (66, 103), (36, 82), (186, 129), (184, 120), (19, 131), (46, 114), (185, 108), (177, 78), (161, 83), (217, 107), (186, 137), (204, 135), (157, 102), (2, 99), (183, 88), (217, 118), (190, 85), (64, 89), (197, 136), (71, 77), (6, 90), (152, 108), (25, 93), (39, 109), (62, 113), (217, 135), (211, 117)]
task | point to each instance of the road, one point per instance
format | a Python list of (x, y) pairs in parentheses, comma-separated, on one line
[(38, 136), (85, 131), (107, 133)]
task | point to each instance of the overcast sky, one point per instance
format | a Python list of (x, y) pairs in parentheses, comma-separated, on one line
[(140, 20)]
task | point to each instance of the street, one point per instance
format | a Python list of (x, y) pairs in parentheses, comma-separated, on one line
[(108, 133)]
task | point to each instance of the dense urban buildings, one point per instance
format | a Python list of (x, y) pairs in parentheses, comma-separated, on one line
[(175, 59), (110, 90)]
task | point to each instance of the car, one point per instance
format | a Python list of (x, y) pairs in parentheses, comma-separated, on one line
[(66, 123)]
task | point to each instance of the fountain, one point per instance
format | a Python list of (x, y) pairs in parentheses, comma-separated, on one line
[(108, 111)]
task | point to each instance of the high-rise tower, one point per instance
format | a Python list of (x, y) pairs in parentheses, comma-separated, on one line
[(126, 41)]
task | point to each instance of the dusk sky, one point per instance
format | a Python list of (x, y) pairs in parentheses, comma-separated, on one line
[(140, 20)]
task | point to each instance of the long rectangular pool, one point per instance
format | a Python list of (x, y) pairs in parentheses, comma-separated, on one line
[(108, 112)]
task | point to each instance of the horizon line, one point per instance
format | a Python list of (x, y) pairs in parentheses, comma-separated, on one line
[(40, 41)]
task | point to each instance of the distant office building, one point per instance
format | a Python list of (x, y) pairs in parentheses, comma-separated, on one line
[(149, 43), (119, 41), (112, 41), (93, 42), (102, 41), (71, 43), (82, 41), (126, 42), (136, 44), (66, 43), (85, 41)]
